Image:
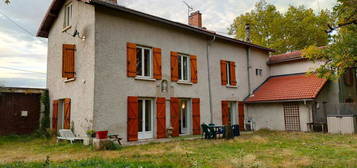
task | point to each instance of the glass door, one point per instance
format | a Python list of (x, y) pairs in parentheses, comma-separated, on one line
[(145, 118), (184, 109)]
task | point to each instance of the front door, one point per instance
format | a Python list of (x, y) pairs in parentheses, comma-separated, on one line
[(145, 117), (184, 116)]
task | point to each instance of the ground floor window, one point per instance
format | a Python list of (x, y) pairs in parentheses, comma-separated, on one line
[(145, 119), (184, 114), (292, 117)]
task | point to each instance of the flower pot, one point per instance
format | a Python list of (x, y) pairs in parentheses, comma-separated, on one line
[(102, 134)]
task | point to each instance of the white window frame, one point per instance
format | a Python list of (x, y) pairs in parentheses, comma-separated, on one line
[(147, 134), (68, 14), (228, 69), (143, 63), (181, 56)]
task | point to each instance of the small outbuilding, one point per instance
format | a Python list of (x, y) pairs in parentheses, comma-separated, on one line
[(287, 102), (20, 110)]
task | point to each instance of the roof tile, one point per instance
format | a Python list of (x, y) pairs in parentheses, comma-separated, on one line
[(292, 87)]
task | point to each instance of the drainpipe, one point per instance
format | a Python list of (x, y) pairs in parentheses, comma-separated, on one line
[(209, 43), (247, 38)]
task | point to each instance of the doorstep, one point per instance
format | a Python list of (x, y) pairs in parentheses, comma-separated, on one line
[(163, 140)]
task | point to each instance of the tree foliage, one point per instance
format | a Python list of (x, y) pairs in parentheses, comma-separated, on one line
[(7, 1), (341, 54), (293, 30)]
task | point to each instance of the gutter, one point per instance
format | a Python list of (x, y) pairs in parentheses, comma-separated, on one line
[(209, 43), (280, 101)]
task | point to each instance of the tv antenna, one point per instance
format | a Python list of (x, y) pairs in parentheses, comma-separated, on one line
[(189, 8)]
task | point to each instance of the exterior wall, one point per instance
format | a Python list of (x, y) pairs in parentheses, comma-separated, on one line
[(271, 115), (112, 86), (80, 91), (292, 67), (258, 59)]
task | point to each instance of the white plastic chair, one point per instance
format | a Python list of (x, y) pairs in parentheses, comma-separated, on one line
[(66, 134)]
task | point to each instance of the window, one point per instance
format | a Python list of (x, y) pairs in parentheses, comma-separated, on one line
[(184, 67), (67, 15), (145, 119), (229, 73), (258, 72), (184, 114), (143, 62)]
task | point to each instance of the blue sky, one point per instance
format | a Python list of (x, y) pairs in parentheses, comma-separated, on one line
[(23, 56)]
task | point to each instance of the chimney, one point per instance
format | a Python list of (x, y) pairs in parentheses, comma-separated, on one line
[(111, 1), (195, 19), (247, 32)]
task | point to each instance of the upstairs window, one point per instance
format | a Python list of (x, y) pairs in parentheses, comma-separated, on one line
[(143, 62), (259, 72), (68, 58), (228, 69), (228, 73), (67, 15), (184, 67)]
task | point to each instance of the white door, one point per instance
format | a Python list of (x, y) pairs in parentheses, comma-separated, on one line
[(184, 117), (145, 117)]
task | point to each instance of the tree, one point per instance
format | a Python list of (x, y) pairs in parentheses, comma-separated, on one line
[(293, 30), (341, 54), (7, 1)]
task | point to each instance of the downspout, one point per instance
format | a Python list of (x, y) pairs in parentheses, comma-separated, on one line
[(209, 43)]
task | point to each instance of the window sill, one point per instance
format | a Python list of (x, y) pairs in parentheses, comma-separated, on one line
[(230, 86), (69, 80), (66, 28), (145, 78), (184, 83)]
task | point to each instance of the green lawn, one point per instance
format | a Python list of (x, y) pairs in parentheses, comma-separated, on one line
[(261, 149)]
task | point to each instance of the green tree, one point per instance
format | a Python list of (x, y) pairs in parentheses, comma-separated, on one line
[(293, 30), (341, 54), (7, 1)]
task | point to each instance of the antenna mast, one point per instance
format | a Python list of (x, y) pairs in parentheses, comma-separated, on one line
[(189, 8)]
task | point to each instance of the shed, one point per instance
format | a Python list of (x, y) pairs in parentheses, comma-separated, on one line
[(20, 110)]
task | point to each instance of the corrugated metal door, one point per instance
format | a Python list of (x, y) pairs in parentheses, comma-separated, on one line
[(19, 113), (292, 117)]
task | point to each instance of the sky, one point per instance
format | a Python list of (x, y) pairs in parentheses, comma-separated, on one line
[(23, 60)]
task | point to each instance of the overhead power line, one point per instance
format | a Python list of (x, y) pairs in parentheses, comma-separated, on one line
[(23, 70), (19, 26)]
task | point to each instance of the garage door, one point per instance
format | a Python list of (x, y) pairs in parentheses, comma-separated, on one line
[(19, 113), (292, 117)]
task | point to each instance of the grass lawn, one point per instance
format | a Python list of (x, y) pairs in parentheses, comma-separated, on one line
[(260, 149)]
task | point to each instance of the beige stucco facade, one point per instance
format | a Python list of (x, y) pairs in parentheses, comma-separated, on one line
[(101, 88)]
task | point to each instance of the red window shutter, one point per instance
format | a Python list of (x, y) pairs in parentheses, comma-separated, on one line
[(157, 64), (161, 117), (194, 74), (131, 59), (68, 58), (174, 66), (54, 115), (67, 114), (223, 72), (174, 110), (233, 74), (225, 113), (196, 116), (133, 118), (241, 115)]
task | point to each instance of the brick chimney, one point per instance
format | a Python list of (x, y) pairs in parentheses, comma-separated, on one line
[(195, 19), (111, 1)]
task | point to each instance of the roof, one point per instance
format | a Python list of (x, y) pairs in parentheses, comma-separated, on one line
[(56, 6), (287, 57), (21, 90), (288, 88)]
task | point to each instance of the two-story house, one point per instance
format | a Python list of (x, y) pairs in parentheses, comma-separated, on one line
[(137, 75)]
